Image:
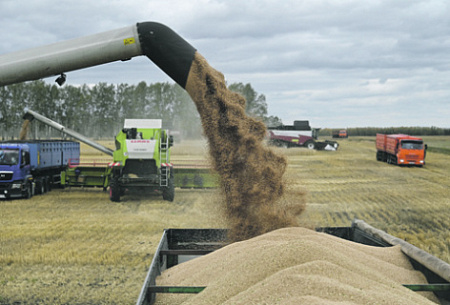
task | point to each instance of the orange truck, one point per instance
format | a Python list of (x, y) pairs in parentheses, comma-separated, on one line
[(341, 133), (400, 149)]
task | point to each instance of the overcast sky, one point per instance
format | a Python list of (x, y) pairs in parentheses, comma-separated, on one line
[(348, 63)]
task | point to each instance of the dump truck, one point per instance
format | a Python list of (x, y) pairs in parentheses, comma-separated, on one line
[(34, 166), (400, 149), (180, 245), (339, 133), (298, 135)]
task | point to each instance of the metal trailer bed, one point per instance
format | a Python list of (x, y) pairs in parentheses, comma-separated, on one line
[(180, 245)]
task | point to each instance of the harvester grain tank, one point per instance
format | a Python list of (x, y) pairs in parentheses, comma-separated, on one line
[(29, 167), (298, 135), (400, 149)]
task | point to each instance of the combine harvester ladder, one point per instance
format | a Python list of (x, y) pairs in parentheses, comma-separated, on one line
[(164, 157)]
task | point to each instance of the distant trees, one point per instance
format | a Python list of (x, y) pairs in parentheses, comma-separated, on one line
[(372, 131), (99, 110)]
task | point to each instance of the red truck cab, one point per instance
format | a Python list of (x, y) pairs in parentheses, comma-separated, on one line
[(342, 133), (400, 149)]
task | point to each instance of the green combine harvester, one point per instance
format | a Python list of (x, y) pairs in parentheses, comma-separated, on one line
[(141, 162)]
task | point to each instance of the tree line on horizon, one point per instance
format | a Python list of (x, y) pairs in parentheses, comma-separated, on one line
[(99, 111), (409, 130)]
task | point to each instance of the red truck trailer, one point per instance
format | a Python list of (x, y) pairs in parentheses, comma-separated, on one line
[(400, 149)]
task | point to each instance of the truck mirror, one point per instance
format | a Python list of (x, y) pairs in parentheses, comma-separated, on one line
[(170, 141)]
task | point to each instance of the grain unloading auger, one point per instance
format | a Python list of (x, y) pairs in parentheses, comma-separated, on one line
[(141, 162), (30, 115), (160, 44)]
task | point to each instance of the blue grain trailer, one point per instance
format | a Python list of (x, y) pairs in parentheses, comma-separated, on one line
[(32, 166)]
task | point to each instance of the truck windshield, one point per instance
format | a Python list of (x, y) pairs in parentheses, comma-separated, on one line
[(9, 156), (409, 144)]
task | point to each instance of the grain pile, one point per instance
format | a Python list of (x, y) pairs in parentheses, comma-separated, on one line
[(297, 266), (251, 173)]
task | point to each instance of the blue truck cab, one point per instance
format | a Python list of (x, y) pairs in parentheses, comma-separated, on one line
[(15, 171), (32, 167)]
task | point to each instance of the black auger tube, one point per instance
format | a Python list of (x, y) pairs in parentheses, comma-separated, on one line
[(167, 50)]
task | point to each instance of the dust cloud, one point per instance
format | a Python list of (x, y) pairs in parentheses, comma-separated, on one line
[(251, 173)]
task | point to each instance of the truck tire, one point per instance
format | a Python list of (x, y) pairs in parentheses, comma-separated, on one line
[(48, 184), (379, 156), (168, 192), (310, 144), (40, 186), (29, 191)]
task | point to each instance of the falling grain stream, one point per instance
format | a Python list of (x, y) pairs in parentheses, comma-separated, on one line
[(251, 173)]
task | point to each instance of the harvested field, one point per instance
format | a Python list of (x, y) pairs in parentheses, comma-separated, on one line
[(74, 246), (408, 202)]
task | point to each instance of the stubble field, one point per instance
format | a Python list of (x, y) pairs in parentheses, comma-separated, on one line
[(74, 246)]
